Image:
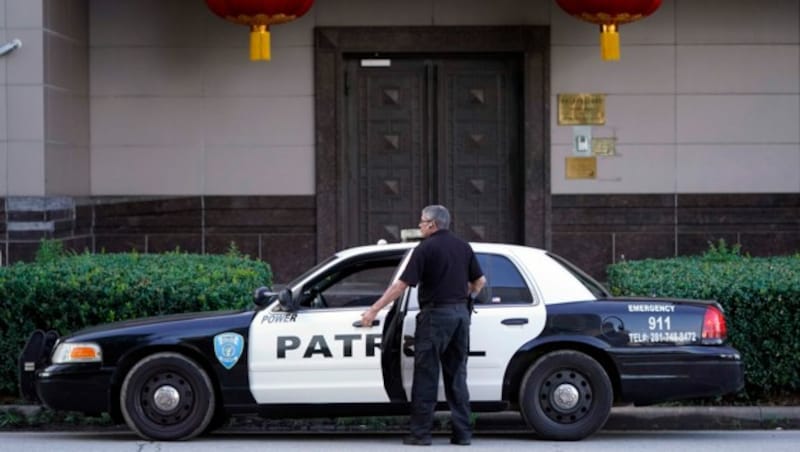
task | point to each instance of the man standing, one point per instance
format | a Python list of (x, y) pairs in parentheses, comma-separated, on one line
[(448, 273)]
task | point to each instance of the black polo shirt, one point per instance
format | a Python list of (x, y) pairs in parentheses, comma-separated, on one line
[(442, 265)]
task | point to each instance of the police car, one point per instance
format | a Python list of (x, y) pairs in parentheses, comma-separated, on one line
[(546, 340)]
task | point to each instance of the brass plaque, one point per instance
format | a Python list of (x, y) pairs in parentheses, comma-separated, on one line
[(604, 146), (581, 109), (581, 167)]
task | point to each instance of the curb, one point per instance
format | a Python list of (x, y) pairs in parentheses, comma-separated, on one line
[(704, 418), (625, 418), (628, 418)]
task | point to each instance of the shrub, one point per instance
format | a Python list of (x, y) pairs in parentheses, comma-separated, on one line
[(761, 298), (68, 292)]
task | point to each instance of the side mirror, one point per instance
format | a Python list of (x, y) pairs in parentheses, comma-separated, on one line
[(286, 300), (263, 296)]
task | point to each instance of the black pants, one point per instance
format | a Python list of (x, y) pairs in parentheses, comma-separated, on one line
[(442, 336)]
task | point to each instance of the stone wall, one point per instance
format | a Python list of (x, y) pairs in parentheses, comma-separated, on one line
[(594, 231), (276, 229)]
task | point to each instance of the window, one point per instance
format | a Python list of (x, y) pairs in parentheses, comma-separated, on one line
[(597, 289), (504, 283), (352, 284)]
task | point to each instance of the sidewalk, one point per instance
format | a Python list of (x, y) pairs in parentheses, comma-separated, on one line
[(621, 419)]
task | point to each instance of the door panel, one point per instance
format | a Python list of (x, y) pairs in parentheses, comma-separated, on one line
[(496, 333), (426, 131), (318, 353), (386, 175), (315, 356), (479, 148)]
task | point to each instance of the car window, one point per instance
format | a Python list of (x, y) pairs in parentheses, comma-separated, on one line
[(504, 283), (297, 280), (597, 289), (352, 284)]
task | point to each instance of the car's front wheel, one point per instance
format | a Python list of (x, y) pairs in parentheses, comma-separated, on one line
[(566, 395), (167, 396)]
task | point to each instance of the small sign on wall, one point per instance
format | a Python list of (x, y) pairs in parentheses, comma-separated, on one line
[(581, 109), (606, 146), (581, 167)]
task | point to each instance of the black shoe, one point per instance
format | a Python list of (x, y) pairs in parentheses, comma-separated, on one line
[(412, 440), (460, 442)]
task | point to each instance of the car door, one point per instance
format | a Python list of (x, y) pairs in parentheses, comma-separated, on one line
[(508, 314), (318, 353)]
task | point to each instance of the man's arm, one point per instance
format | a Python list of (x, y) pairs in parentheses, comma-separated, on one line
[(390, 294), (476, 286)]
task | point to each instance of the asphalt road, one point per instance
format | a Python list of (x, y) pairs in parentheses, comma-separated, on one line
[(605, 441)]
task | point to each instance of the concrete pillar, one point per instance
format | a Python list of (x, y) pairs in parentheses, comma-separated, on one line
[(44, 98)]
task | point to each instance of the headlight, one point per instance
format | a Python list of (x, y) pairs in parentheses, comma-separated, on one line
[(77, 352)]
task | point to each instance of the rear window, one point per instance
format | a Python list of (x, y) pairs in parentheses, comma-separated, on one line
[(591, 285)]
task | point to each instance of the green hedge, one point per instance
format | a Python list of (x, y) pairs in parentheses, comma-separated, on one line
[(67, 293), (761, 298)]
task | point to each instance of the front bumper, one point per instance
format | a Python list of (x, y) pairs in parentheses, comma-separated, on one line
[(84, 387), (656, 375), (75, 387)]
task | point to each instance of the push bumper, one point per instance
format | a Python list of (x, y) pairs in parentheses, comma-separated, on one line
[(33, 358)]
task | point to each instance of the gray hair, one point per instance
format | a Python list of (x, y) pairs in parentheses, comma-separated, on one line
[(439, 215)]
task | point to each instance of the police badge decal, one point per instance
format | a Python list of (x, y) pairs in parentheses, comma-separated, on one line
[(228, 347)]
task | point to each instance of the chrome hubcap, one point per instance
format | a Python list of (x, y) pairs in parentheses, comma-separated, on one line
[(565, 397), (166, 398)]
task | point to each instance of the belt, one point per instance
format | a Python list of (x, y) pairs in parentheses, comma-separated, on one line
[(445, 305)]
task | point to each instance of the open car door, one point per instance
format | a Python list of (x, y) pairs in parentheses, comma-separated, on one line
[(392, 342), (315, 351)]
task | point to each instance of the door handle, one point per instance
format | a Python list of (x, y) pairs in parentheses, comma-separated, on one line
[(517, 321), (358, 324)]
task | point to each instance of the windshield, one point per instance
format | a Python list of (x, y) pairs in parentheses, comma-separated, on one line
[(311, 270)]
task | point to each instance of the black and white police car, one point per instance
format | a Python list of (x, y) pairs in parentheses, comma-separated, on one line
[(546, 340)]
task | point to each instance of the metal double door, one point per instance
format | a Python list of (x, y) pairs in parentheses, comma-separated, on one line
[(422, 131)]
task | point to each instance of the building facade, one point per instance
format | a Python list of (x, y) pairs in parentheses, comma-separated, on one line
[(142, 124)]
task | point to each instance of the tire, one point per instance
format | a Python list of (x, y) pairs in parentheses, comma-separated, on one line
[(187, 402), (219, 420), (566, 396)]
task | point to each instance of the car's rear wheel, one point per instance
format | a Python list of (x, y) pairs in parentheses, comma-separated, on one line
[(566, 395), (167, 396)]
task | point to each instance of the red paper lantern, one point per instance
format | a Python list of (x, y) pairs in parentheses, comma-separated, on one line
[(609, 14), (259, 15)]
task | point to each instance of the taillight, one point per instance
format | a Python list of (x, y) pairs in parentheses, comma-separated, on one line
[(715, 331)]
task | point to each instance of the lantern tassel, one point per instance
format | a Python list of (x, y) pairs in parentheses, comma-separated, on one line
[(259, 43), (609, 42)]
